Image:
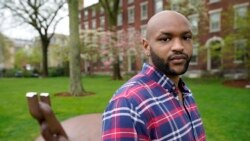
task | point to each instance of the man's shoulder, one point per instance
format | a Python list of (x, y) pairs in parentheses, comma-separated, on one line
[(133, 88)]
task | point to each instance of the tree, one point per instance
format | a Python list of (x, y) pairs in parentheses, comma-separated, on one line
[(91, 49), (197, 13), (111, 9), (59, 54), (195, 10), (76, 87), (5, 52), (237, 44), (130, 45), (24, 56), (42, 15)]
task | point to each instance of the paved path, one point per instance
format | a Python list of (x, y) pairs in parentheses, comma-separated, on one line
[(82, 128)]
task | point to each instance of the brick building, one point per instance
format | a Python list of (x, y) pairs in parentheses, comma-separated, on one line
[(210, 26)]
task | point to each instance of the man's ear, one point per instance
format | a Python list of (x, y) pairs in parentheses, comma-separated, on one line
[(146, 47)]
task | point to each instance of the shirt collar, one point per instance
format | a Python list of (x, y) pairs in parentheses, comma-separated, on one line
[(163, 80)]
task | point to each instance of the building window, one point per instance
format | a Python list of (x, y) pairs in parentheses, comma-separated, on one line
[(120, 36), (102, 22), (239, 51), (86, 25), (131, 14), (215, 20), (193, 2), (94, 24), (143, 31), (213, 1), (131, 59), (194, 59), (144, 10), (119, 19), (86, 14), (130, 1), (93, 13), (120, 3), (240, 12), (175, 5), (130, 35), (194, 20), (101, 10), (158, 5)]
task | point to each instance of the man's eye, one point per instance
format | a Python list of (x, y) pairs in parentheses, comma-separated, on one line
[(165, 39), (187, 37)]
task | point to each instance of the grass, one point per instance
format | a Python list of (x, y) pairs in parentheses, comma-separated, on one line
[(225, 111)]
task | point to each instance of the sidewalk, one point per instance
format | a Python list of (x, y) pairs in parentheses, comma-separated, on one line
[(82, 128)]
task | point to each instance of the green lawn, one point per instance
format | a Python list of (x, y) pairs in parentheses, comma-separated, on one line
[(223, 109)]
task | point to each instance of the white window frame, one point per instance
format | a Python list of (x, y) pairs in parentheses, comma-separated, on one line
[(119, 35), (131, 52), (196, 53), (131, 16), (119, 19), (195, 28), (130, 1), (144, 13), (193, 2), (120, 3), (101, 10), (93, 23), (131, 31), (214, 1), (93, 13), (243, 42), (102, 22), (175, 5), (86, 25), (86, 13), (236, 16), (217, 11), (156, 2), (143, 31)]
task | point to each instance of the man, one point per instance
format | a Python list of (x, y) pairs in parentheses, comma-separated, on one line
[(156, 104)]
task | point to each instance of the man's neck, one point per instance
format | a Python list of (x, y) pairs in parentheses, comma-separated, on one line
[(175, 79)]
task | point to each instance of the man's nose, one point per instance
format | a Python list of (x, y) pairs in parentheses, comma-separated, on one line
[(177, 46)]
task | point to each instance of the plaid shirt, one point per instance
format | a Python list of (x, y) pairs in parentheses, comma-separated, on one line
[(147, 108)]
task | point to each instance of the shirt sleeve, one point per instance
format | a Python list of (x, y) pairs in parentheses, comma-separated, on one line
[(118, 121)]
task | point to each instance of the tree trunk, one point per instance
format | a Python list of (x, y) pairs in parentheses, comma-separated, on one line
[(116, 62), (116, 65), (45, 45), (111, 9), (116, 71), (76, 87)]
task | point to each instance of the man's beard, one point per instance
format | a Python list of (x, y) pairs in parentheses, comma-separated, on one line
[(164, 66)]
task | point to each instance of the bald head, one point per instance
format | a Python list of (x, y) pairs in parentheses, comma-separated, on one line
[(164, 18)]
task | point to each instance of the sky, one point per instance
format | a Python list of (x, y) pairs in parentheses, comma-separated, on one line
[(27, 32)]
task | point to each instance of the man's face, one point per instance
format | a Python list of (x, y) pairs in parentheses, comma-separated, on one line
[(164, 65), (170, 45)]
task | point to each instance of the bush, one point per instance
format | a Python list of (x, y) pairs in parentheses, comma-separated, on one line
[(53, 72), (57, 71), (27, 73), (15, 72), (11, 72)]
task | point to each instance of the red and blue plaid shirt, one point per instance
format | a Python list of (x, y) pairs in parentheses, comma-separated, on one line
[(147, 108)]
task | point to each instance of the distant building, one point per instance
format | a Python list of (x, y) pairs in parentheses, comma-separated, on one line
[(20, 43), (57, 51), (17, 45), (6, 54), (9, 47), (208, 27)]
